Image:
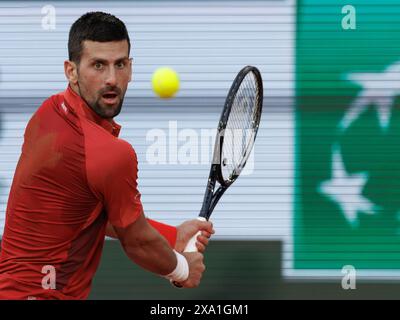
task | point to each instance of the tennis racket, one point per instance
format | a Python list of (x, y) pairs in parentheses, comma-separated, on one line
[(236, 134)]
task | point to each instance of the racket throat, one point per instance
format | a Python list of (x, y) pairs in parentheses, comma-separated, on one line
[(208, 195)]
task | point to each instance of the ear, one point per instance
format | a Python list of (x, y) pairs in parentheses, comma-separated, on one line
[(71, 71), (130, 69)]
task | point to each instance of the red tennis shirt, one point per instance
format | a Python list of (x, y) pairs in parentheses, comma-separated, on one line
[(74, 175)]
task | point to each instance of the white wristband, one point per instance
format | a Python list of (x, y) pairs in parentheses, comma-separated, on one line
[(181, 272)]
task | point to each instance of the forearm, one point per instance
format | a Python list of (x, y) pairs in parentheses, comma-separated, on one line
[(154, 255), (167, 231), (147, 248)]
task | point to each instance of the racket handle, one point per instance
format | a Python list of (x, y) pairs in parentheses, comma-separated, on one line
[(191, 245)]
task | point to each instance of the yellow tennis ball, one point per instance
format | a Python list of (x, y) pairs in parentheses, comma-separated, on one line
[(165, 82)]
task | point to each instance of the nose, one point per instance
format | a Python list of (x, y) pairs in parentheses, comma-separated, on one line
[(111, 78)]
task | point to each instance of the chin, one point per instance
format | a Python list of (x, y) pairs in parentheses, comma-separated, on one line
[(107, 113)]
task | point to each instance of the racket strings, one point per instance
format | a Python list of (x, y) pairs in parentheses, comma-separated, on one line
[(240, 128)]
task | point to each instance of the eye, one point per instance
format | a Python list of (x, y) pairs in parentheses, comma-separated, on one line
[(98, 66), (120, 65)]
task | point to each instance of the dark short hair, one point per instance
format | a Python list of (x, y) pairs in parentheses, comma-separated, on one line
[(95, 26)]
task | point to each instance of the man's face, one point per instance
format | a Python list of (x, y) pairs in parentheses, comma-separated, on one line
[(103, 76)]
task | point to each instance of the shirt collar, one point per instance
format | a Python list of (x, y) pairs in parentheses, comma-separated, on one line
[(77, 104)]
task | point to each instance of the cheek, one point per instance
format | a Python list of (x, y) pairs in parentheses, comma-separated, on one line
[(92, 83), (124, 76), (124, 81)]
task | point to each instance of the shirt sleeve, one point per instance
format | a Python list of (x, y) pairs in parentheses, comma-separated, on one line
[(167, 231), (112, 175)]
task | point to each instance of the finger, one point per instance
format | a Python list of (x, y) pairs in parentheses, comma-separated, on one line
[(209, 232), (206, 225), (201, 243), (200, 247), (203, 240), (212, 228), (205, 234)]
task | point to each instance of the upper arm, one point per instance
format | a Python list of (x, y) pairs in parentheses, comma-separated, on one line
[(112, 175)]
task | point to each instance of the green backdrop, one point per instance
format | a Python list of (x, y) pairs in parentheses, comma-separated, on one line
[(234, 270)]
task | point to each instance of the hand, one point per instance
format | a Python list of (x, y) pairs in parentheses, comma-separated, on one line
[(196, 269), (188, 229)]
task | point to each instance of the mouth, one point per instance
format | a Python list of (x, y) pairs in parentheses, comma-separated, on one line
[(110, 97)]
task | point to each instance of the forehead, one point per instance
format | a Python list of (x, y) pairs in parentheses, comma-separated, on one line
[(110, 51)]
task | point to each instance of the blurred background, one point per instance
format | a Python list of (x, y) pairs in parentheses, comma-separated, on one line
[(316, 214)]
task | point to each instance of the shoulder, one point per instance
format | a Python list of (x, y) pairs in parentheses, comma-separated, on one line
[(104, 144), (46, 113), (110, 154), (50, 103), (121, 151), (110, 163)]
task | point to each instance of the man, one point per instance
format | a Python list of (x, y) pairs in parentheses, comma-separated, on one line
[(76, 182)]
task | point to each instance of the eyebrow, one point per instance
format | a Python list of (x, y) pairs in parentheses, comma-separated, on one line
[(105, 61)]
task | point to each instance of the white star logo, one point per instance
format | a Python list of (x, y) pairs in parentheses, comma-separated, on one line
[(346, 190), (379, 90)]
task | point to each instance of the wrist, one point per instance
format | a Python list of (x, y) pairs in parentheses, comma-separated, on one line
[(181, 271)]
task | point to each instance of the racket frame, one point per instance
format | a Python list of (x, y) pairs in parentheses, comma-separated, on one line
[(211, 198)]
